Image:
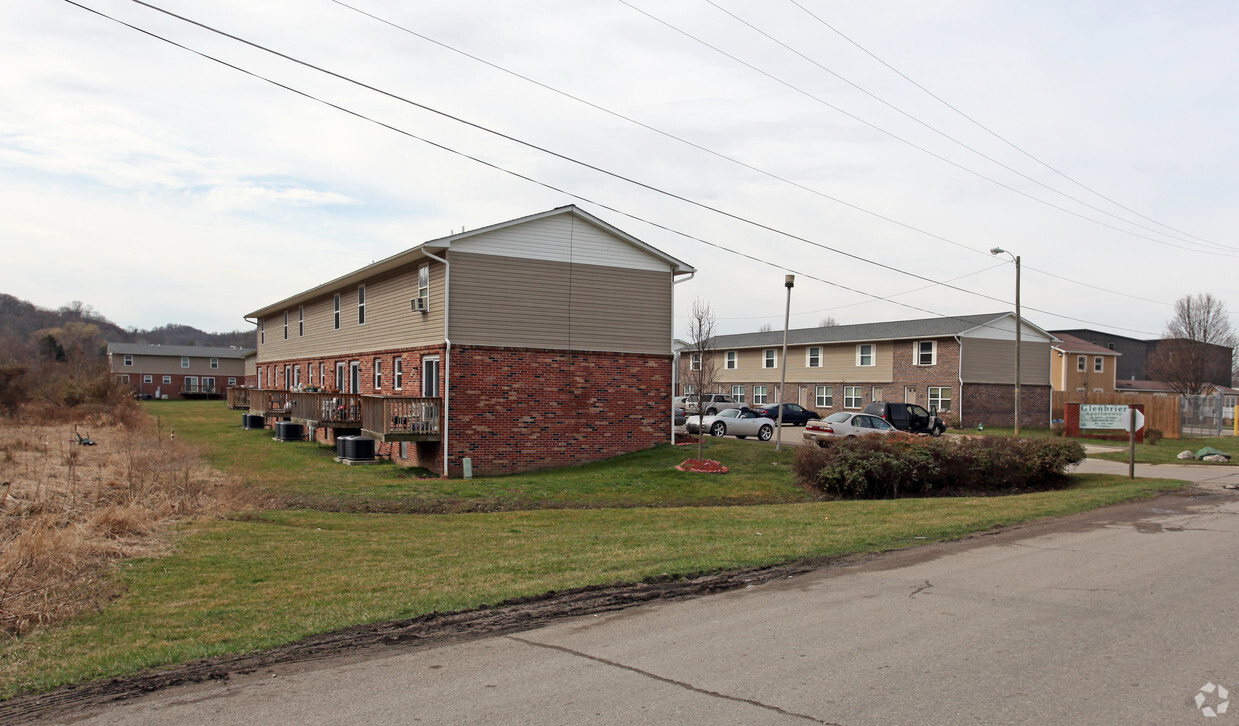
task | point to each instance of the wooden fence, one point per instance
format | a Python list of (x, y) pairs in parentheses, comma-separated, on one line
[(1160, 412)]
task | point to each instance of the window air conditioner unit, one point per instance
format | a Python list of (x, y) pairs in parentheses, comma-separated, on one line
[(420, 304)]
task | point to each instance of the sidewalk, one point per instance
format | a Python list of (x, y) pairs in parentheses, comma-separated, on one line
[(1208, 476)]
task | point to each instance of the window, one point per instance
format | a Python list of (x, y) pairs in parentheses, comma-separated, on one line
[(124, 378), (322, 374), (926, 353), (208, 384), (768, 360), (813, 357), (694, 362), (167, 380), (354, 376), (851, 397), (128, 360), (398, 372), (864, 355), (1080, 364), (232, 381), (184, 361), (215, 362), (430, 376), (300, 321), (877, 394), (1098, 365), (148, 379), (824, 397), (759, 395), (361, 305), (309, 372), (378, 374), (730, 361), (1110, 346), (737, 394), (340, 379), (262, 332), (190, 385), (939, 398), (336, 313), (297, 375), (423, 282), (260, 376), (285, 325), (689, 390)]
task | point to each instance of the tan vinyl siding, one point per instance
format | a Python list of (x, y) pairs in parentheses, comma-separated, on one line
[(561, 238), (993, 361), (838, 365), (513, 302), (390, 321), (171, 365)]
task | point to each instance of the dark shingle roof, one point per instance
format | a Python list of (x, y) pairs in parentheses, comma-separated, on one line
[(193, 351)]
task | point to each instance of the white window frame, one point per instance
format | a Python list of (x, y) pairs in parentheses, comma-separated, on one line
[(935, 394), (124, 378), (300, 321), (1099, 364), (378, 374), (878, 394), (128, 360), (167, 380), (397, 365), (215, 362), (1081, 363), (731, 360), (341, 376), (861, 355), (919, 352), (336, 313), (262, 331), (813, 356), (689, 390), (761, 395), (296, 375), (285, 325), (824, 396), (694, 361), (737, 394), (232, 381), (184, 361), (148, 378), (769, 359), (361, 304), (853, 397), (423, 282)]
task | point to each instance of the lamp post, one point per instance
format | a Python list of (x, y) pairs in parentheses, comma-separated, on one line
[(1019, 325), (789, 281)]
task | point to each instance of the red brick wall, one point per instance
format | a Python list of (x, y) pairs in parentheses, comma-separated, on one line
[(994, 405)]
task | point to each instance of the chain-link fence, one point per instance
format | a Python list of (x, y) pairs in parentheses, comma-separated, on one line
[(1206, 415)]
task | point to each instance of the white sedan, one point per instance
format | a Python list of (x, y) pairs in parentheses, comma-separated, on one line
[(732, 422), (845, 425)]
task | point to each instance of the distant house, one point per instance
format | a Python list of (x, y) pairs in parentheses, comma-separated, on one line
[(537, 342), (1078, 366), (963, 366), (177, 371), (1133, 365)]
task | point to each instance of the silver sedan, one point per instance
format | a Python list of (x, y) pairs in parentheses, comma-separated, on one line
[(732, 422), (845, 425)]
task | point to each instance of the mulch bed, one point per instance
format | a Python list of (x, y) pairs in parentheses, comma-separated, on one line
[(702, 466)]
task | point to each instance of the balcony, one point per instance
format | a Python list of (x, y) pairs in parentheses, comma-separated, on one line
[(238, 398), (269, 403), (401, 418), (194, 390), (325, 410)]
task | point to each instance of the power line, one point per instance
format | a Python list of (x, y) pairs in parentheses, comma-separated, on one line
[(529, 179), (996, 135), (902, 140)]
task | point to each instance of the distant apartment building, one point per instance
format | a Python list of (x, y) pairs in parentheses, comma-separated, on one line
[(177, 371)]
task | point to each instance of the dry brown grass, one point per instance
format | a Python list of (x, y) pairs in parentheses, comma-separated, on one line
[(66, 510)]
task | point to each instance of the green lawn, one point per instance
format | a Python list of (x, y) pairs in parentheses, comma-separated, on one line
[(1167, 451), (274, 577), (306, 475)]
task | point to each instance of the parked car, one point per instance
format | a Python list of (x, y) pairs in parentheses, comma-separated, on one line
[(679, 416), (711, 402), (792, 414), (740, 423), (847, 425), (907, 417)]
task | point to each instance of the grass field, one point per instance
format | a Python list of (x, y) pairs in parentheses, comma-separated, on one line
[(259, 579)]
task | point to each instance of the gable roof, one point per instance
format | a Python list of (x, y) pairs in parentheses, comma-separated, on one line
[(1072, 344), (867, 332), (420, 252), (178, 351)]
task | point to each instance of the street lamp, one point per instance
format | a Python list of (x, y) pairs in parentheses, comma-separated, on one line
[(789, 281), (1019, 324)]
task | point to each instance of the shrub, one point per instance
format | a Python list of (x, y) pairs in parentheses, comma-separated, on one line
[(880, 467), (1152, 437)]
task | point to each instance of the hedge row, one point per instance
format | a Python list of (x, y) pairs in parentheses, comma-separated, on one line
[(882, 467)]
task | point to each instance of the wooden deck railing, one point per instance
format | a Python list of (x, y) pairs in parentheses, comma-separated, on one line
[(330, 410), (401, 418), (268, 402), (238, 397)]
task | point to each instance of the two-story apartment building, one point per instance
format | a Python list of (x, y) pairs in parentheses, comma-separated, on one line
[(1080, 367), (177, 371), (962, 366), (538, 342)]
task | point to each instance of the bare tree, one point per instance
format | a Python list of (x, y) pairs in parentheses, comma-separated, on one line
[(701, 374), (828, 322), (1198, 346), (765, 328)]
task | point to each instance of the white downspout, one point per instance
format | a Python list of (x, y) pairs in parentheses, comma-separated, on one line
[(447, 362), (675, 355), (960, 341)]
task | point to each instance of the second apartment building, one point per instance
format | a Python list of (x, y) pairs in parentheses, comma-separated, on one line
[(962, 366)]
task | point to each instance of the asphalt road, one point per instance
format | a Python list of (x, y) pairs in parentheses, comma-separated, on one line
[(1118, 616)]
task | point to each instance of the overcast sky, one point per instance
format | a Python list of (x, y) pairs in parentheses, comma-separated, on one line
[(1095, 139)]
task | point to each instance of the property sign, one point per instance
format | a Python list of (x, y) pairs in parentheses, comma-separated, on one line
[(1103, 416)]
